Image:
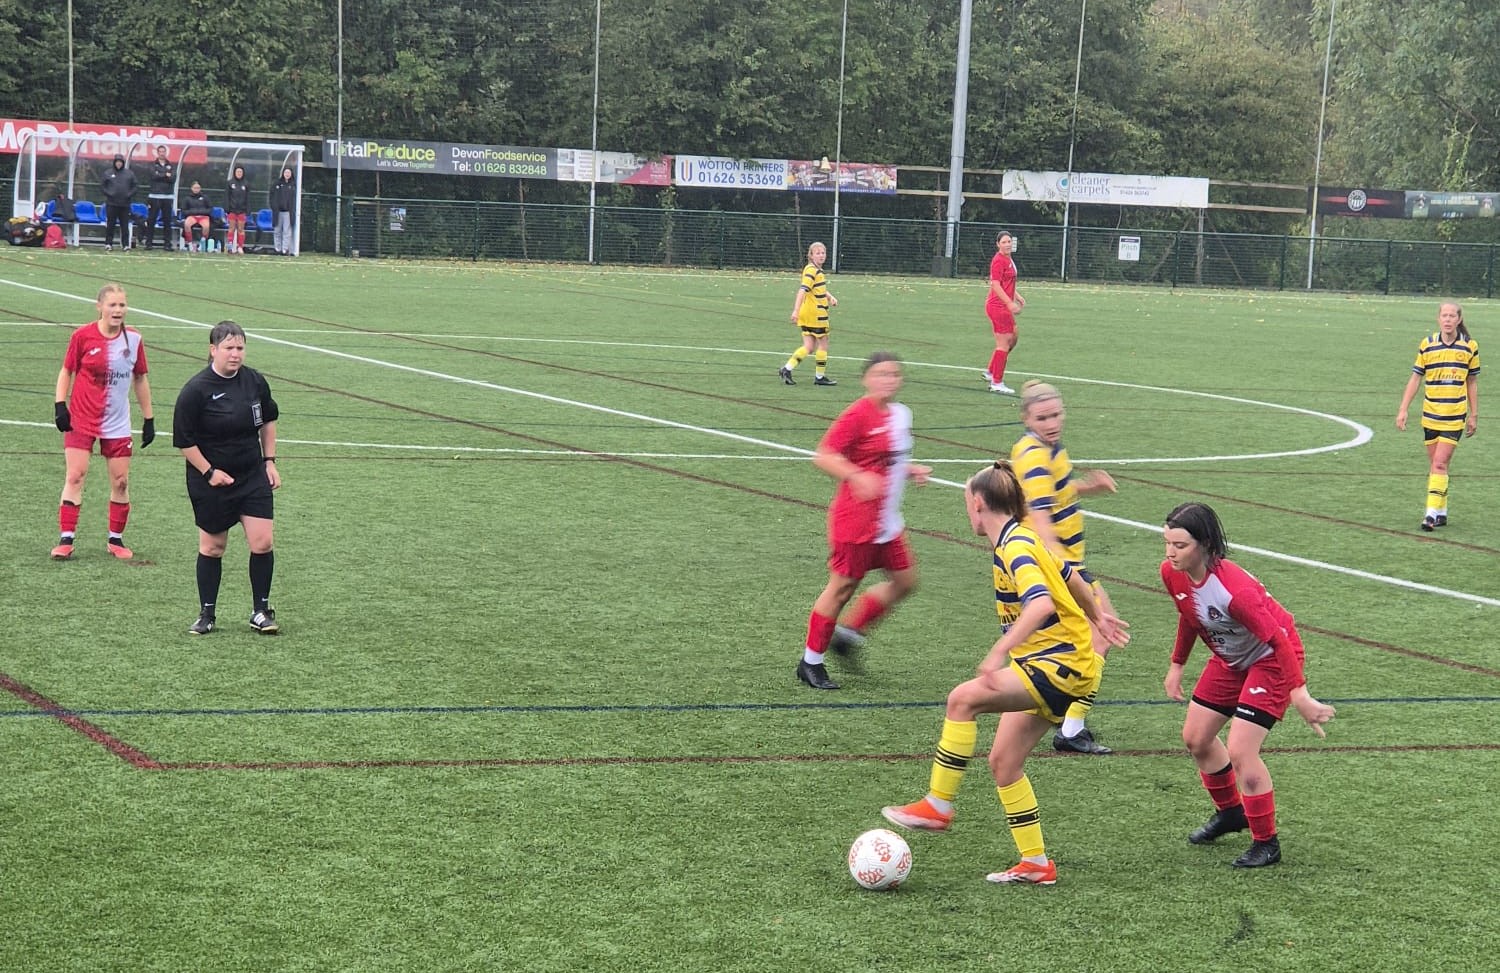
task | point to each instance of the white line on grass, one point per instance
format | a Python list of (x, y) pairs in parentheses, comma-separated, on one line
[(797, 450)]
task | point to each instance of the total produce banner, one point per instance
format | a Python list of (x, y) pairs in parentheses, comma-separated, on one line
[(1107, 188), (441, 158), (93, 141)]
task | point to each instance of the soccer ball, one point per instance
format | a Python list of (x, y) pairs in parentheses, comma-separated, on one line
[(879, 859)]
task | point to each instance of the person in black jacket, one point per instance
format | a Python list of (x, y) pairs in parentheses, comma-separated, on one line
[(236, 209), (118, 185), (196, 219), (283, 206), (225, 426), (160, 198)]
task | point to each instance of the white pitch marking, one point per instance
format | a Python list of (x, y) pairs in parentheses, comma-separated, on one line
[(1290, 558)]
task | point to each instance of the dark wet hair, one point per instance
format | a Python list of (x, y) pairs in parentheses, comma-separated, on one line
[(1002, 235), (1200, 521), (998, 489), (225, 329), (878, 358)]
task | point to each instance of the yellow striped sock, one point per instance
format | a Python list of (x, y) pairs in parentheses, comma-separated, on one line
[(820, 363), (796, 358), (1080, 709), (954, 749), (1437, 491), (1025, 821)]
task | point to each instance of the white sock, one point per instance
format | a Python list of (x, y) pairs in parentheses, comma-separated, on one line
[(812, 658), (1072, 726), (946, 807)]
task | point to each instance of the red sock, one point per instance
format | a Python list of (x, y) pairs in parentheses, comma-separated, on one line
[(1221, 788), (819, 631), (1260, 811), (997, 365), (867, 611), (119, 513), (67, 517)]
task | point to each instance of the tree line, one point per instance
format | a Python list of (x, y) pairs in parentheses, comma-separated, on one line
[(1229, 90)]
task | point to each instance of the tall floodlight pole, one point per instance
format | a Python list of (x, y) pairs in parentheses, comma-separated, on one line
[(1072, 140), (594, 131), (1312, 238), (70, 65), (838, 139), (960, 123), (338, 142)]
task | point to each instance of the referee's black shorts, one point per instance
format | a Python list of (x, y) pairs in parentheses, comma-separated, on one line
[(216, 509)]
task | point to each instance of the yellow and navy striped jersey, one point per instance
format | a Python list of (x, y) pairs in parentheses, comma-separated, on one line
[(1445, 371), (1046, 475), (1025, 569), (814, 310)]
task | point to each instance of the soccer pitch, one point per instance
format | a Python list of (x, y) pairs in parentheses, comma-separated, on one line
[(546, 545)]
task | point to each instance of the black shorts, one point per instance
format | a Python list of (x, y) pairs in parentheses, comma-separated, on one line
[(1452, 435), (216, 509)]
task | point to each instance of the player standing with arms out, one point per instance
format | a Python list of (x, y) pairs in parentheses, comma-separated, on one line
[(868, 450), (1052, 489), (1447, 370), (810, 313), (1253, 674), (1002, 306), (102, 359), (1044, 660), (225, 426)]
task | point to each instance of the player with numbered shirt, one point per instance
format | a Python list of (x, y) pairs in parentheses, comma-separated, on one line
[(1447, 371), (868, 450), (1253, 673), (1052, 487), (105, 360), (810, 313), (1044, 661)]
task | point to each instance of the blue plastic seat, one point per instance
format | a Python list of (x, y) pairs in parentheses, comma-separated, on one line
[(138, 210), (48, 210), (263, 221), (87, 212)]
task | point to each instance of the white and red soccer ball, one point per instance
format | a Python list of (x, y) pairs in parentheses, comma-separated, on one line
[(879, 859)]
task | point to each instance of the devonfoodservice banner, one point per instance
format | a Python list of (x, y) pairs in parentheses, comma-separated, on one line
[(441, 158), (1105, 188)]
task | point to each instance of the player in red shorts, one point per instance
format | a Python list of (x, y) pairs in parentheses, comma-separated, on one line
[(1253, 674), (868, 450), (1002, 306), (104, 361)]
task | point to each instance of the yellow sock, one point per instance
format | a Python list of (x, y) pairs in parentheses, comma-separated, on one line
[(1080, 709), (954, 749), (796, 358), (1437, 491), (1025, 821), (820, 363)]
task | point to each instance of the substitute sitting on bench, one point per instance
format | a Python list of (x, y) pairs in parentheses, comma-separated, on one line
[(195, 219)]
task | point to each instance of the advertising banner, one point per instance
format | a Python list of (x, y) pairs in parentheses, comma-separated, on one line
[(97, 141), (720, 173), (1347, 201), (1424, 205), (577, 165), (441, 158), (817, 175), (1113, 189)]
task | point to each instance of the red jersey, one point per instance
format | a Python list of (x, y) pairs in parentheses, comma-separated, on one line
[(879, 441), (102, 370), (1002, 272), (1235, 617)]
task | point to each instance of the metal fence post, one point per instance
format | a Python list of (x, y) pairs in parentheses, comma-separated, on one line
[(1281, 274), (1390, 247)]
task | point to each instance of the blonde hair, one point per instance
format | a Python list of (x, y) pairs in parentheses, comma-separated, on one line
[(1036, 391), (110, 288)]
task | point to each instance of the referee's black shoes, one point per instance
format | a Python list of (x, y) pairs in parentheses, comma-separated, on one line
[(1222, 823), (264, 622), (203, 625)]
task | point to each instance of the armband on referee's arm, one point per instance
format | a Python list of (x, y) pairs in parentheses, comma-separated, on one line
[(208, 474), (269, 459)]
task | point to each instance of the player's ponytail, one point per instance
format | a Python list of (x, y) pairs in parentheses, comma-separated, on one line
[(998, 489)]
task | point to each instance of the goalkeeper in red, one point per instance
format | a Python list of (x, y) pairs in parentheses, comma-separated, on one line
[(1253, 674)]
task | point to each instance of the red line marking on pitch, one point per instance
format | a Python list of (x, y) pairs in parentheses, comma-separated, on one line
[(136, 758)]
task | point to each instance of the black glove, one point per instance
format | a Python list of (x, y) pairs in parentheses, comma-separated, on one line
[(148, 432), (61, 417)]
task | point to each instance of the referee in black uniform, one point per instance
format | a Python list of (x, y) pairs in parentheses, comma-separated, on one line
[(225, 426)]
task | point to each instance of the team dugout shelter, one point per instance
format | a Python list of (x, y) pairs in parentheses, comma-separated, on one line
[(49, 166)]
